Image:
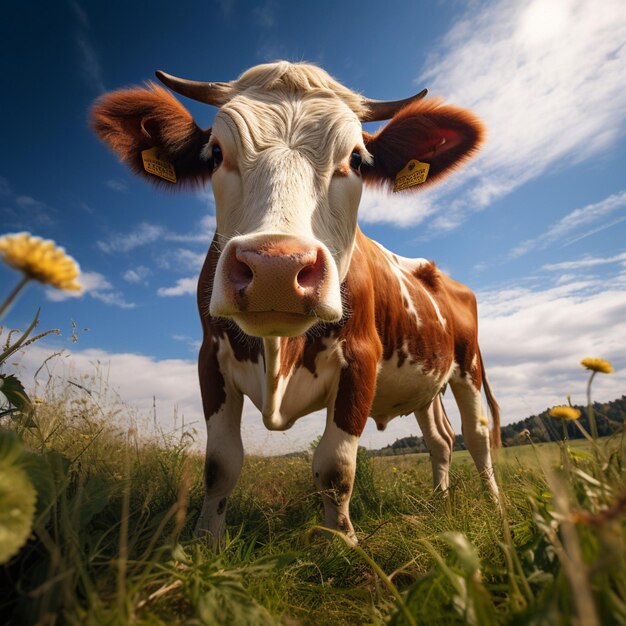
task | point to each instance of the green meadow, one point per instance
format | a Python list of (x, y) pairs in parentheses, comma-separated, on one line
[(111, 538)]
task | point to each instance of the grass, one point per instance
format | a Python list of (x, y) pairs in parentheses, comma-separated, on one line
[(111, 540)]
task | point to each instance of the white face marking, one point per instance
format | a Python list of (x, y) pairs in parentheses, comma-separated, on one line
[(280, 170), (286, 173)]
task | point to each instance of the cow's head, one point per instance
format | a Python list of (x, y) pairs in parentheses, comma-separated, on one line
[(287, 158)]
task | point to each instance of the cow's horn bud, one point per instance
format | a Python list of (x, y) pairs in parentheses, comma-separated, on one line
[(216, 94), (378, 110)]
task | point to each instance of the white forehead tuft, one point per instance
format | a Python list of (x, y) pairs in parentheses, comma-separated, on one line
[(297, 78)]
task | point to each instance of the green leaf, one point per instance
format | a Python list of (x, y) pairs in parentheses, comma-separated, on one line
[(17, 498), (14, 392)]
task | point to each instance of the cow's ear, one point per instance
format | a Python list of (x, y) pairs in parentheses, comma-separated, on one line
[(132, 121), (443, 136)]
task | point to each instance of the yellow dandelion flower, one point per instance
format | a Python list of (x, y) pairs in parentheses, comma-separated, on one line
[(597, 365), (566, 412), (483, 420), (40, 260), (394, 470)]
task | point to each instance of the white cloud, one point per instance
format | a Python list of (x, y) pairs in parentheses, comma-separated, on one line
[(27, 214), (26, 202), (90, 64), (94, 285), (5, 189), (378, 205), (585, 262), (145, 233), (548, 78), (192, 343), (264, 14), (565, 229), (136, 275), (91, 281), (117, 185), (183, 287), (113, 298), (182, 259)]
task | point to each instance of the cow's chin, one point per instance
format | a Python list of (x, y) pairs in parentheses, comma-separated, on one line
[(274, 323)]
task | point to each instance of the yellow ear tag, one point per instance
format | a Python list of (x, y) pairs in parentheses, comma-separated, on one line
[(413, 173), (154, 164)]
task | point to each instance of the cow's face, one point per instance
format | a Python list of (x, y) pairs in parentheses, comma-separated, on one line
[(287, 185), (287, 158)]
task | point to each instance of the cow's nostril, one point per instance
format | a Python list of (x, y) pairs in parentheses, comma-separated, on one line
[(241, 274), (312, 275)]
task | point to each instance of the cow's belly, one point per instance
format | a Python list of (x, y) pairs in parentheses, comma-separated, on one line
[(401, 390)]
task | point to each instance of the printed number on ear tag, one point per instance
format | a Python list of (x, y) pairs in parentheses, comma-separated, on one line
[(153, 163), (413, 173)]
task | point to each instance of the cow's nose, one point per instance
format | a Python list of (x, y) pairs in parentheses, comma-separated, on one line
[(301, 270), (277, 276), (276, 284)]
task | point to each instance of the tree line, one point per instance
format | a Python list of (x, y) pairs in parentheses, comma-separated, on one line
[(610, 417)]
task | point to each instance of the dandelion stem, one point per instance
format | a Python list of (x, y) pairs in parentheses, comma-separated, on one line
[(590, 412), (7, 303)]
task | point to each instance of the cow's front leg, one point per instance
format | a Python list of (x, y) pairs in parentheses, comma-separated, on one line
[(222, 467), (334, 461), (334, 465)]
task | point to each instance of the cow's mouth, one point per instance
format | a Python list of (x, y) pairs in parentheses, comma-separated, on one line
[(274, 323)]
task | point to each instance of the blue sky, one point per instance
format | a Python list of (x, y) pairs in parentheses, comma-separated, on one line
[(536, 224)]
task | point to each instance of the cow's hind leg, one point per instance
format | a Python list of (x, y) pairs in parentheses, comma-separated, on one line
[(439, 438), (224, 458), (475, 429), (334, 465)]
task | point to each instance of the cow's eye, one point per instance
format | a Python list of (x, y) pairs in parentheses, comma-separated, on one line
[(355, 161), (216, 155)]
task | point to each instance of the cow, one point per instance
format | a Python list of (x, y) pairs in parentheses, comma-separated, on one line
[(301, 311)]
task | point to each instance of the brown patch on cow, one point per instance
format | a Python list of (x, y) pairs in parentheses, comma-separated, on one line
[(313, 346), (302, 351), (462, 302), (343, 170), (291, 350), (361, 346), (336, 484), (429, 344), (212, 383), (429, 275), (221, 506), (212, 473)]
